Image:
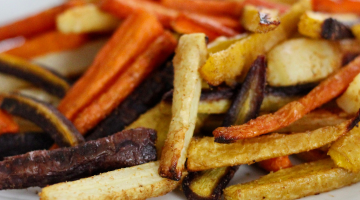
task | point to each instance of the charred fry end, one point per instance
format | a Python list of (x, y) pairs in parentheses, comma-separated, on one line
[(335, 30)]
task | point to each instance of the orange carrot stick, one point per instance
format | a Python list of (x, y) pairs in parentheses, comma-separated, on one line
[(209, 7), (275, 164), (30, 26), (131, 39), (46, 43), (338, 6), (268, 4), (154, 56), (123, 8), (226, 21), (324, 92), (7, 124)]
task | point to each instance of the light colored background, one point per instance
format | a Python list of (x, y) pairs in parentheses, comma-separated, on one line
[(14, 9)]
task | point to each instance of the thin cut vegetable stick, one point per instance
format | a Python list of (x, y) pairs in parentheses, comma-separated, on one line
[(185, 25), (30, 26), (155, 55), (130, 40), (52, 41), (338, 6), (123, 8), (210, 7), (7, 124), (265, 3), (324, 92), (275, 164)]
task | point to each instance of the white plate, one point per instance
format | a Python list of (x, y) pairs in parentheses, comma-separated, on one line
[(15, 9)]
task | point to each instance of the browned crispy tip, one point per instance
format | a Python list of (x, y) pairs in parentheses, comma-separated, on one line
[(45, 116), (354, 122), (334, 30), (219, 179)]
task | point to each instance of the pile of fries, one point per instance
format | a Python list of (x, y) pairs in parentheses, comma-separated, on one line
[(223, 83)]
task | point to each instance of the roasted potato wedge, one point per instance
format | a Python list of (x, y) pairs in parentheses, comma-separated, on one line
[(349, 101), (259, 20)]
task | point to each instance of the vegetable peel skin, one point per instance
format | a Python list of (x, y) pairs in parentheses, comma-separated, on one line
[(205, 154), (295, 182), (190, 54), (236, 60)]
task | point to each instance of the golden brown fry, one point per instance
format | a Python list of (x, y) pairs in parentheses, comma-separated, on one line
[(236, 60), (85, 19), (259, 19), (190, 55), (345, 151), (205, 154), (349, 101), (356, 31), (295, 182), (138, 182)]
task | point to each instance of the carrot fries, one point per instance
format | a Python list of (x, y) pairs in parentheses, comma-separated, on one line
[(275, 164), (154, 55), (7, 124), (52, 41), (130, 40), (39, 23), (338, 6), (327, 90)]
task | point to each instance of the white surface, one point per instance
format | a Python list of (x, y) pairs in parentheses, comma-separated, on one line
[(15, 9)]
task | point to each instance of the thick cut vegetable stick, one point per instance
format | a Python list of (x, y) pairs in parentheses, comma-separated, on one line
[(124, 8), (7, 124), (49, 42), (275, 164), (138, 182), (130, 40), (324, 92), (30, 26), (338, 6), (236, 60), (155, 55), (190, 55), (205, 154), (295, 182), (345, 151), (209, 7)]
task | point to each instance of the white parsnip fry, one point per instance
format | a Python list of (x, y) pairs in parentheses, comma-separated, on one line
[(138, 182), (190, 54), (295, 182)]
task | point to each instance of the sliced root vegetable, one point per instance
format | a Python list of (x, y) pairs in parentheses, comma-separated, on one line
[(349, 101), (275, 164), (205, 154), (130, 40), (48, 42), (259, 20), (7, 123), (209, 7), (209, 184), (144, 97), (126, 181), (236, 60), (356, 31), (327, 26), (339, 6), (314, 120), (222, 43), (45, 116), (44, 167), (268, 4), (344, 152), (124, 8), (298, 61), (33, 25), (299, 181), (156, 120), (35, 74), (155, 55), (85, 19), (324, 92), (190, 55), (20, 143)]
